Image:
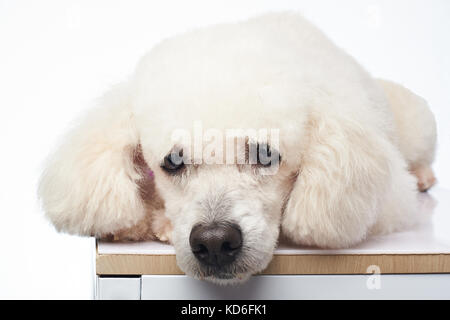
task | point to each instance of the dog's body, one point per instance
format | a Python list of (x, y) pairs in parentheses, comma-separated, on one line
[(348, 145)]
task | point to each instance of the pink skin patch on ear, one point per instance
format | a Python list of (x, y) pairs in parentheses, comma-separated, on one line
[(150, 173)]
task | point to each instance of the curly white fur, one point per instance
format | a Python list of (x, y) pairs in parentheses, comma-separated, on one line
[(89, 185)]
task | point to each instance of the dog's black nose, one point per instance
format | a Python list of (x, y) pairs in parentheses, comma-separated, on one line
[(216, 244)]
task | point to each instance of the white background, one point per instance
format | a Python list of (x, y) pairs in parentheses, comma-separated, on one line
[(57, 56)]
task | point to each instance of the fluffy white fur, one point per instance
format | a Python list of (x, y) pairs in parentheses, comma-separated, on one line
[(348, 144), (89, 186)]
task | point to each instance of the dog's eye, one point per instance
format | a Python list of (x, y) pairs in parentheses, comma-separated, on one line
[(173, 162), (266, 155)]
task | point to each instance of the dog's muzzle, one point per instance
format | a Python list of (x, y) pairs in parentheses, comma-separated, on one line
[(217, 244)]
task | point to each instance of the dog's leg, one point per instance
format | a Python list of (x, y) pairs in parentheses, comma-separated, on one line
[(155, 225), (425, 177), (162, 227), (416, 131)]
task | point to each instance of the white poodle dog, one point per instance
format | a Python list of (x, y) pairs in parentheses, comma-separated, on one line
[(350, 151)]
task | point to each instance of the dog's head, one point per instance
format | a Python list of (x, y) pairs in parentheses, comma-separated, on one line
[(225, 205), (225, 143), (224, 189)]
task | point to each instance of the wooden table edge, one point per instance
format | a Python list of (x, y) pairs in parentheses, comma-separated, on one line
[(290, 264)]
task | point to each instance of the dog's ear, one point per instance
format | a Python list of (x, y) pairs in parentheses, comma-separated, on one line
[(91, 183), (341, 185)]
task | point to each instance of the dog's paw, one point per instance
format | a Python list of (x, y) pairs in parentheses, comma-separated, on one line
[(425, 178), (141, 231), (162, 228)]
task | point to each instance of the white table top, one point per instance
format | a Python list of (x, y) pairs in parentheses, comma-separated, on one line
[(431, 237)]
